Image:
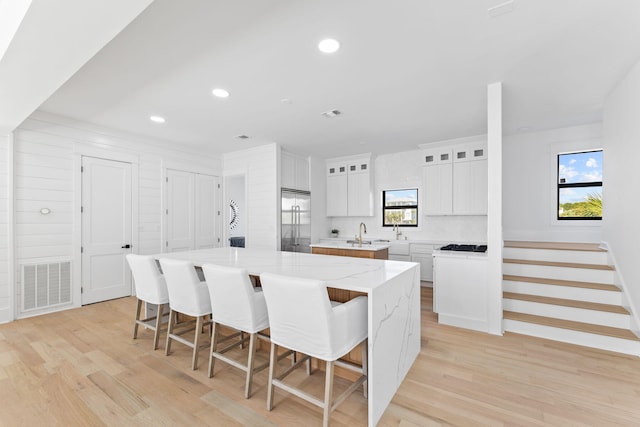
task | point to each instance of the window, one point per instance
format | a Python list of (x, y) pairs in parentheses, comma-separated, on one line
[(580, 186), (400, 207)]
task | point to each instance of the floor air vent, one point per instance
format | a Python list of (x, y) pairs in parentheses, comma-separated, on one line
[(45, 285)]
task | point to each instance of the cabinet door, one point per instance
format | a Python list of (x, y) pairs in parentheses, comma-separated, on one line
[(359, 202), (302, 174), (470, 188), (436, 189), (288, 168), (337, 195)]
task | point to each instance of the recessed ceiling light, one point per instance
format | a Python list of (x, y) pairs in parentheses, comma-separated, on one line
[(220, 93), (157, 119), (329, 45)]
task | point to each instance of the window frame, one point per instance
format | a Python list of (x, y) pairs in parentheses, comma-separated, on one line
[(560, 186), (416, 207)]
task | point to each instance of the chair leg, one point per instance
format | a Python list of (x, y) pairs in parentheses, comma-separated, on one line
[(196, 342), (156, 335), (135, 322), (250, 363), (328, 391), (273, 361), (214, 347), (365, 367), (309, 365), (172, 320)]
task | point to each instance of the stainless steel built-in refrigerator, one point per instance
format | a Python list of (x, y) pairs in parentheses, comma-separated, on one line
[(295, 227)]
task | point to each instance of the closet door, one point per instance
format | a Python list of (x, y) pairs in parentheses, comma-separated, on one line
[(193, 214)]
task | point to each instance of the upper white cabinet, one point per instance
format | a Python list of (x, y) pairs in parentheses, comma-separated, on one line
[(455, 178), (350, 186), (470, 177), (437, 181), (295, 171)]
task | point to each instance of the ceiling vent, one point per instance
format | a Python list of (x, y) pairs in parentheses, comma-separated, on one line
[(332, 113), (242, 137)]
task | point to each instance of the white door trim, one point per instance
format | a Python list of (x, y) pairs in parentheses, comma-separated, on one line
[(10, 314), (106, 154)]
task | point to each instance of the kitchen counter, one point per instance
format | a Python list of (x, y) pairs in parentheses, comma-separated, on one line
[(393, 303)]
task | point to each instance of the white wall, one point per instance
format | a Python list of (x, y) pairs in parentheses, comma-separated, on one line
[(622, 183), (260, 167), (5, 294), (47, 150), (529, 184), (404, 170)]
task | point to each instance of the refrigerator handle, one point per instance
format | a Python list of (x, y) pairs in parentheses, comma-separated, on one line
[(297, 226)]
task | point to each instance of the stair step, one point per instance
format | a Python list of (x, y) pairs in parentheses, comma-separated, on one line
[(585, 257), (557, 282), (559, 264), (566, 302), (572, 325), (563, 246)]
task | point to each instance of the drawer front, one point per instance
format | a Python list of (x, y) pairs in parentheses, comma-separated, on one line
[(417, 248)]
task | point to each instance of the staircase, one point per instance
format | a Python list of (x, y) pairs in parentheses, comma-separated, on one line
[(565, 292)]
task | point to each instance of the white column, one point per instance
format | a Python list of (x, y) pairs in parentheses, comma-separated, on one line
[(494, 211)]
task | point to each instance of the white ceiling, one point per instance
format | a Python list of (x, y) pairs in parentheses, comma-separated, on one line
[(408, 72)]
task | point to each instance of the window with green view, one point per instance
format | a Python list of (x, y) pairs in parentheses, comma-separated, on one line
[(580, 186), (400, 207)]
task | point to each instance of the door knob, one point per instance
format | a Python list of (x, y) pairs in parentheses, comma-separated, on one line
[(126, 246)]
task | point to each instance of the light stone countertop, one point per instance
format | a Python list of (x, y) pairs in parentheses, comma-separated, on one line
[(352, 246)]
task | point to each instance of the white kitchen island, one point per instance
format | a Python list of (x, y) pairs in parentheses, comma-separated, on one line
[(393, 290)]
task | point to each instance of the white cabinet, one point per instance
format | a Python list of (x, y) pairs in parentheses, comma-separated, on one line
[(460, 290), (399, 251), (294, 171), (349, 187), (423, 255), (470, 180), (337, 194), (454, 179), (437, 179)]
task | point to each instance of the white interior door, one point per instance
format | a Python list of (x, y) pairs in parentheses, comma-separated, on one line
[(207, 212), (106, 229), (180, 211)]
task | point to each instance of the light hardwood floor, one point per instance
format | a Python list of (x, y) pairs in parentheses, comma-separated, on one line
[(81, 367)]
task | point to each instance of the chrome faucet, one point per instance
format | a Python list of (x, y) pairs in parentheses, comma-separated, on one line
[(396, 228), (360, 233)]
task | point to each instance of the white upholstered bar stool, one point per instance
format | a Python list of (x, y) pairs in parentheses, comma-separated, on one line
[(187, 295), (302, 318), (150, 288), (235, 303)]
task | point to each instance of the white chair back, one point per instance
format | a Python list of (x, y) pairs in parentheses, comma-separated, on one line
[(149, 284), (234, 301), (187, 294), (299, 314)]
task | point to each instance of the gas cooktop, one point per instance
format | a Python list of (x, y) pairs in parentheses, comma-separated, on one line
[(464, 248)]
